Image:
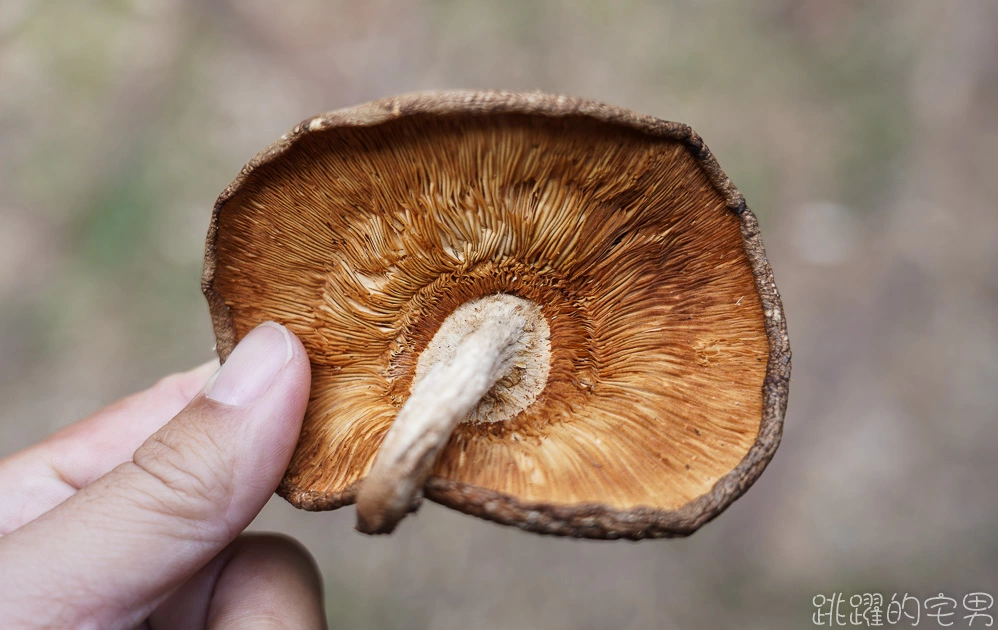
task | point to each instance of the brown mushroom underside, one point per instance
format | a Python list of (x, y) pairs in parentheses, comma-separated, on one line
[(363, 229)]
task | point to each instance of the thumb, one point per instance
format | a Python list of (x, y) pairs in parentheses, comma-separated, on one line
[(108, 555)]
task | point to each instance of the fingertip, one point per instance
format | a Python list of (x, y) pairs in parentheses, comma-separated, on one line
[(270, 578), (299, 365), (267, 354), (260, 580), (186, 492), (182, 387), (275, 548), (201, 373)]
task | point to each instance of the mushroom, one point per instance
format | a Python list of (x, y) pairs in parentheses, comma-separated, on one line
[(539, 310)]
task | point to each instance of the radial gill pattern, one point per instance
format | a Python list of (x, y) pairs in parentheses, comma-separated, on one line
[(363, 239)]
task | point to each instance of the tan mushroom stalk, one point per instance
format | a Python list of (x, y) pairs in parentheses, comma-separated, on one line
[(489, 341), (546, 312)]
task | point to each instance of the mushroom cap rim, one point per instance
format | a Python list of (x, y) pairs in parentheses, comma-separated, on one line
[(588, 520)]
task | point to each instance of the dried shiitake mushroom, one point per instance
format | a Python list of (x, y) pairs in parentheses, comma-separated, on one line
[(543, 311)]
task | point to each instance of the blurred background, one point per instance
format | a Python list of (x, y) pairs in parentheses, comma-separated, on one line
[(864, 136)]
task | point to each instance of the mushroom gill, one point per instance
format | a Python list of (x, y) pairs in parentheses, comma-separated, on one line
[(362, 237)]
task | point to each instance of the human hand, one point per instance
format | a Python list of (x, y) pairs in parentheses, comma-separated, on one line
[(131, 518)]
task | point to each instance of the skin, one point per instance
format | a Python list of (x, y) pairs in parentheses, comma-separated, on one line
[(134, 516)]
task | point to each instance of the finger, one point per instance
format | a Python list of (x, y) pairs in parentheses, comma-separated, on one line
[(259, 581), (271, 582), (89, 449), (108, 555), (38, 478)]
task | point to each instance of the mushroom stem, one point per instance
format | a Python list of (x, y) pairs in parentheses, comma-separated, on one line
[(447, 395)]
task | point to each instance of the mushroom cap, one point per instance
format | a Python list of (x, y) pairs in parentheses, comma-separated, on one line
[(361, 230)]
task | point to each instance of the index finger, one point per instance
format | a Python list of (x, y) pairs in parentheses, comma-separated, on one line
[(42, 476)]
